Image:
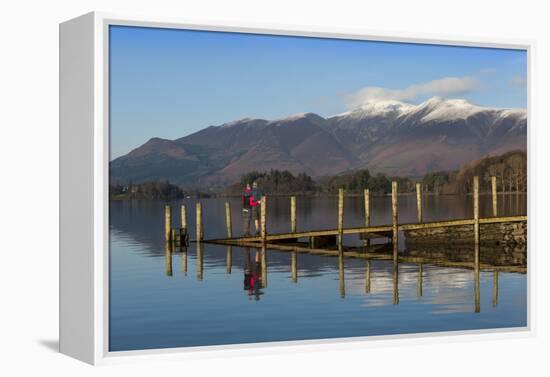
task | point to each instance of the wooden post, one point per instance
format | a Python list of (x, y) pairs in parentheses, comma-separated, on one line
[(293, 214), (367, 277), (199, 229), (367, 212), (228, 259), (419, 283), (293, 268), (173, 236), (183, 218), (228, 219), (263, 210), (494, 192), (394, 217), (419, 201), (476, 210), (167, 222), (340, 215)]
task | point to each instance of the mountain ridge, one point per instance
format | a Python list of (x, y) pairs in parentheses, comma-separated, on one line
[(388, 136)]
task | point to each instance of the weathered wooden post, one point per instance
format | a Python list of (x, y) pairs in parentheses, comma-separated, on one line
[(293, 268), (167, 222), (419, 283), (366, 195), (199, 230), (394, 217), (367, 277), (263, 210), (340, 215), (419, 201), (173, 236), (228, 259), (476, 210), (228, 219), (184, 218), (293, 214), (494, 192), (495, 288)]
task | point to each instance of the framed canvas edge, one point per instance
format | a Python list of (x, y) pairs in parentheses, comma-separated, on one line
[(101, 209)]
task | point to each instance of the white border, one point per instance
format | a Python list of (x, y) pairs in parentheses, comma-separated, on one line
[(101, 158)]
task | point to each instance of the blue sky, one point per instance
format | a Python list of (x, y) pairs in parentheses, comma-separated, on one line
[(170, 83)]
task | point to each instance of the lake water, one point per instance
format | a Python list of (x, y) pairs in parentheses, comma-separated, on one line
[(221, 295)]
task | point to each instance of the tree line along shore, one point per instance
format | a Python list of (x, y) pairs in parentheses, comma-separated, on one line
[(509, 168)]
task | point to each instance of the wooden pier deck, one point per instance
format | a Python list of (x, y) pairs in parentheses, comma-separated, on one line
[(468, 229), (382, 231)]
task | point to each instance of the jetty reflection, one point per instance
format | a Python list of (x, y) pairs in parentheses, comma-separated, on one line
[(475, 258)]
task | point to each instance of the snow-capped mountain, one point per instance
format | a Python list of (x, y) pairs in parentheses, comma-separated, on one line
[(388, 136)]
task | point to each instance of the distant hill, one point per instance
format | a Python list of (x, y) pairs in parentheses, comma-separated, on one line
[(390, 137)]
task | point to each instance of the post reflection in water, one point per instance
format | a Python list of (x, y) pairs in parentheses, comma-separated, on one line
[(476, 278), (199, 261), (168, 259), (252, 280), (495, 288), (184, 260), (228, 259), (341, 272), (367, 277), (395, 281), (293, 267), (255, 268), (419, 284), (264, 267)]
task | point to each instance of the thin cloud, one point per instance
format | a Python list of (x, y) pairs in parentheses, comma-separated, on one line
[(442, 87)]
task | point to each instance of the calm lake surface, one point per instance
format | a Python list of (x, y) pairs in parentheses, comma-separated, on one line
[(199, 297)]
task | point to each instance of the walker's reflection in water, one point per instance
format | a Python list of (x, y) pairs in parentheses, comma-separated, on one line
[(255, 269), (253, 281)]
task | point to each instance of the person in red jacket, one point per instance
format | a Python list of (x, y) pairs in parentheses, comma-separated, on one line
[(255, 197), (247, 210)]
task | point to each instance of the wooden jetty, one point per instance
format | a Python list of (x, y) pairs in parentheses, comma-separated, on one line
[(476, 230)]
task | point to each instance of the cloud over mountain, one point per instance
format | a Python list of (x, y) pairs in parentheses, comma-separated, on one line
[(446, 86)]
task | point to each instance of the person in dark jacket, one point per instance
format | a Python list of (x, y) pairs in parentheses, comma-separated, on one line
[(255, 197), (247, 210)]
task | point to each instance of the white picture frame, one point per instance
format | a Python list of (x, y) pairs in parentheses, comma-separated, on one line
[(84, 158)]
